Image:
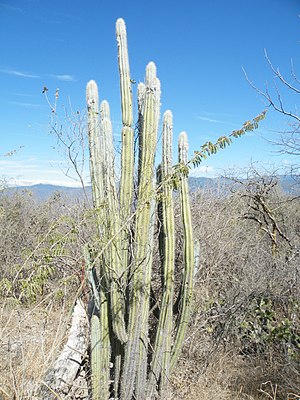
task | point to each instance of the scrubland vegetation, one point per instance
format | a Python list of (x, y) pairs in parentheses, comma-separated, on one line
[(244, 333)]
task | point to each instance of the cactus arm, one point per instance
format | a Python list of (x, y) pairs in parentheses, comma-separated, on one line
[(141, 378), (189, 256), (100, 339), (141, 101), (159, 369), (168, 251), (142, 367), (127, 155), (125, 83), (137, 303), (114, 268), (96, 161)]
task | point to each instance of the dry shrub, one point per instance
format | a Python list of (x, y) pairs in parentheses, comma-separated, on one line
[(41, 244), (244, 334), (232, 377)]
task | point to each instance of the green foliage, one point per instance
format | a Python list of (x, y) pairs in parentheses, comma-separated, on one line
[(32, 285), (209, 148), (266, 324)]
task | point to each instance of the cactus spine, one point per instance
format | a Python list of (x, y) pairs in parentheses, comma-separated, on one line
[(120, 271)]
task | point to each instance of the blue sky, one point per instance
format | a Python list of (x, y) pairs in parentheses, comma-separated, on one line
[(199, 48)]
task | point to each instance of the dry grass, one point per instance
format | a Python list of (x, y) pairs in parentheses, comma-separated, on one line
[(30, 339), (214, 383), (232, 377)]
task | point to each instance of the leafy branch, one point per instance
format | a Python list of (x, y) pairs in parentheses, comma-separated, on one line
[(209, 148)]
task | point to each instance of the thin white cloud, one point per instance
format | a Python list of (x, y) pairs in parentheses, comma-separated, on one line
[(24, 104), (65, 77), (208, 119), (221, 114), (8, 7), (215, 118), (21, 94), (25, 74), (19, 73), (10, 168)]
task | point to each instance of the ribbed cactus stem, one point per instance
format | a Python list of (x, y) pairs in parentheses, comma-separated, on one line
[(108, 167), (96, 161), (125, 83), (189, 256), (100, 339), (127, 155), (144, 348), (115, 268), (183, 148), (96, 355), (141, 96), (127, 162), (141, 90), (120, 274), (138, 302), (160, 365), (141, 377), (151, 91)]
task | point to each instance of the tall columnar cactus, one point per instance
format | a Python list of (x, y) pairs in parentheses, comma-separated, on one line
[(134, 349)]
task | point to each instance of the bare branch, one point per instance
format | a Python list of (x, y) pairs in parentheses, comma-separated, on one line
[(269, 99), (280, 76)]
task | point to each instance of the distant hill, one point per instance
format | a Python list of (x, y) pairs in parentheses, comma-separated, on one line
[(290, 185), (43, 191)]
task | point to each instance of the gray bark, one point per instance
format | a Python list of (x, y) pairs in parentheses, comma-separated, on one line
[(59, 379)]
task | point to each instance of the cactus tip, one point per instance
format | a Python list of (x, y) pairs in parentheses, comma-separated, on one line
[(150, 73), (92, 93), (182, 140), (104, 109), (183, 147), (141, 87), (91, 86), (168, 115), (91, 83), (151, 67), (120, 26)]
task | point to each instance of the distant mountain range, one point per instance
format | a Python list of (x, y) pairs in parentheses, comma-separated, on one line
[(44, 191)]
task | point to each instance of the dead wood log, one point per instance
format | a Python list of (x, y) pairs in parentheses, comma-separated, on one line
[(59, 379)]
